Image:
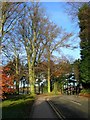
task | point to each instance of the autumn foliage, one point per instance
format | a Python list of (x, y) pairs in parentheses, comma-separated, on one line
[(6, 82)]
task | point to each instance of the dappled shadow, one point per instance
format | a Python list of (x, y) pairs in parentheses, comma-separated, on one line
[(41, 109), (15, 110), (16, 97)]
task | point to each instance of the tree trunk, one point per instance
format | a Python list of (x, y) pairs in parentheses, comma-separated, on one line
[(55, 87), (31, 79), (48, 71), (17, 76)]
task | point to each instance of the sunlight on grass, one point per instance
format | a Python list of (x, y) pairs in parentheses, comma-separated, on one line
[(0, 104), (85, 91), (18, 107)]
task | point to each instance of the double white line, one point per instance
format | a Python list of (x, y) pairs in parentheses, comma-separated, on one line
[(59, 114)]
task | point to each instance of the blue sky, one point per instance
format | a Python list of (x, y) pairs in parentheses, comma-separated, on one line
[(57, 14)]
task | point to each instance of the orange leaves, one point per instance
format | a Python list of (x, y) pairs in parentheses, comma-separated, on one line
[(6, 68), (55, 74), (59, 69), (7, 80)]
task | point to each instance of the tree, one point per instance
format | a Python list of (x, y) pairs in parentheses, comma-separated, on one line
[(59, 73), (54, 45), (72, 9), (33, 37), (76, 70), (10, 13), (52, 32), (84, 22), (38, 35), (13, 54), (8, 79)]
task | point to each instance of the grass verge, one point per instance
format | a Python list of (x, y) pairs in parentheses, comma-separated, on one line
[(85, 92), (17, 107)]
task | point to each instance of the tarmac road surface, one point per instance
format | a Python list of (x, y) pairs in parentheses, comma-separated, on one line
[(72, 106), (41, 109)]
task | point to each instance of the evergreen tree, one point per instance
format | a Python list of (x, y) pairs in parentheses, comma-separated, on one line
[(84, 23), (76, 70)]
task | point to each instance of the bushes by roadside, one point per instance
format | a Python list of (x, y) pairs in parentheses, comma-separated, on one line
[(85, 92)]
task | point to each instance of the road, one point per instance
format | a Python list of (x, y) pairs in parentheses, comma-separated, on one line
[(41, 109), (71, 106)]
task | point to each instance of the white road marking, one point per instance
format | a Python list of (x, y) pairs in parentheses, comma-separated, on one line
[(76, 102)]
